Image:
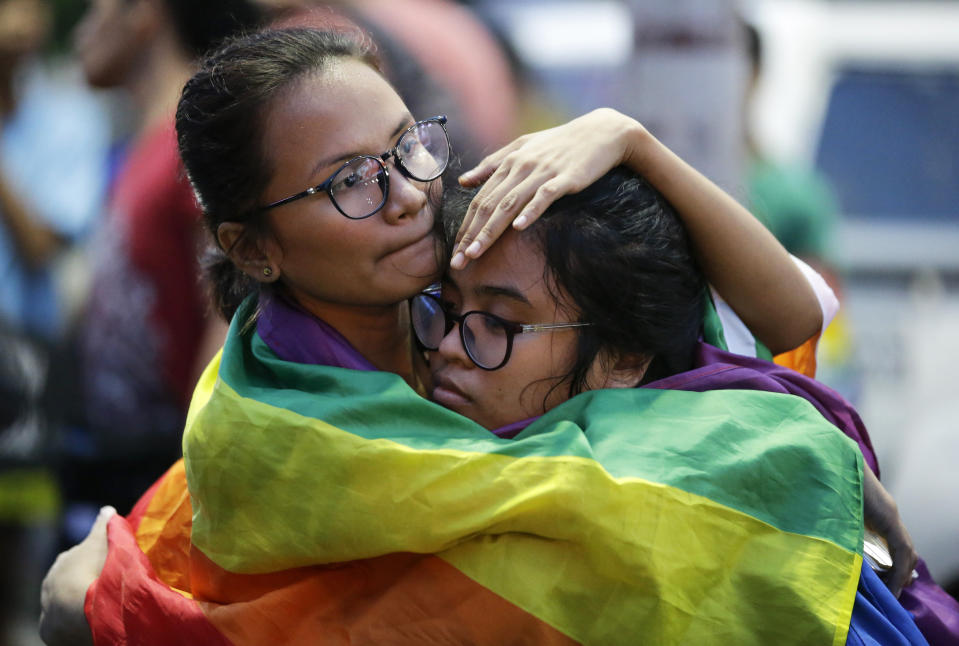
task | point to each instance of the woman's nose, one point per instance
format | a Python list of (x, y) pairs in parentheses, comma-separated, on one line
[(406, 199), (451, 347)]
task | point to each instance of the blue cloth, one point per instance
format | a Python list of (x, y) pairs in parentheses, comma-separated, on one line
[(53, 155), (878, 619)]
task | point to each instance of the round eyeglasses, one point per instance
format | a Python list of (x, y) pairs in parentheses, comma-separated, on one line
[(360, 187), (487, 338)]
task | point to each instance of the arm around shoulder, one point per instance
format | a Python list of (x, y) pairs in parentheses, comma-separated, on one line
[(742, 260), (739, 256)]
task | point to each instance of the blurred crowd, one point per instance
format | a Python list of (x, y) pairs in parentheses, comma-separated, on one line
[(104, 323)]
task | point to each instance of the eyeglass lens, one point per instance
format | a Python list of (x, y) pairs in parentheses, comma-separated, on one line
[(485, 338), (429, 321), (360, 187), (424, 151)]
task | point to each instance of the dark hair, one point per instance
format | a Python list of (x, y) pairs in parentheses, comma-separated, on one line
[(220, 120), (617, 254), (200, 26)]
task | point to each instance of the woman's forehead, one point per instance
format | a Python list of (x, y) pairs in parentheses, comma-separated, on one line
[(513, 266), (345, 109)]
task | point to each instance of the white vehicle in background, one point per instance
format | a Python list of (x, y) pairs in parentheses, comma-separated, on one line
[(868, 92)]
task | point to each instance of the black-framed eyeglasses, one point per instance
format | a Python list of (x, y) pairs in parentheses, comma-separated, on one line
[(487, 338), (360, 187)]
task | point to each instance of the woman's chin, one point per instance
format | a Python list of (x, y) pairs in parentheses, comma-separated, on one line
[(419, 261)]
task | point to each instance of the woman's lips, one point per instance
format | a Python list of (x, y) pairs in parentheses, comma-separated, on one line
[(424, 232), (447, 393)]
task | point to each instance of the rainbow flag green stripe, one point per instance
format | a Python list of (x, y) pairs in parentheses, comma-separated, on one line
[(619, 517)]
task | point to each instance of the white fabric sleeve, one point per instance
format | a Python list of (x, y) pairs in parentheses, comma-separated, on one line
[(739, 340), (738, 337), (828, 302)]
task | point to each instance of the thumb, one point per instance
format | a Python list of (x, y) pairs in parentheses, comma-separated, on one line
[(103, 518), (96, 545)]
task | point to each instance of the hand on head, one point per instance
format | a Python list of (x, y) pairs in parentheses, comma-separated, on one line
[(604, 282), (522, 179)]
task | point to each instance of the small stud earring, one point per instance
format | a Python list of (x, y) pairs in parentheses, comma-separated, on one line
[(267, 271)]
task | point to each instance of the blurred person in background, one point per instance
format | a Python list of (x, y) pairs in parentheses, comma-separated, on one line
[(51, 174), (53, 142), (797, 204), (439, 55), (145, 331), (460, 52)]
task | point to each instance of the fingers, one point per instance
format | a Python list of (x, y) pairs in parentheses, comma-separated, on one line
[(492, 210), (103, 518), (483, 170), (489, 218), (882, 513), (478, 174), (546, 194), (904, 559), (519, 207), (466, 232), (95, 544), (523, 178), (64, 588)]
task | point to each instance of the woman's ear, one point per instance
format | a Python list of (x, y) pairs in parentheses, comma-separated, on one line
[(257, 256), (625, 371)]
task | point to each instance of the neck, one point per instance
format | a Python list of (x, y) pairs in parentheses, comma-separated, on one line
[(379, 333)]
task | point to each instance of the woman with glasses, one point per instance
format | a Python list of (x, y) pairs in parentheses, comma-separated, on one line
[(320, 188), (602, 292)]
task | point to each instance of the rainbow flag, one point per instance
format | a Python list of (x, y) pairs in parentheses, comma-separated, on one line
[(337, 506)]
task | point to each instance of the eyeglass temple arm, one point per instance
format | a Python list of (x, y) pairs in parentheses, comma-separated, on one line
[(286, 200), (538, 327)]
